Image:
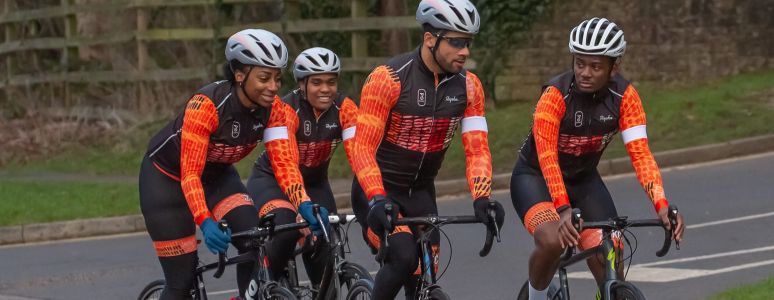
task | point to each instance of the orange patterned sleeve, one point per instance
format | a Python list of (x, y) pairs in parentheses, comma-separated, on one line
[(348, 119), (200, 120), (380, 93), (280, 141), (545, 128), (632, 126), (475, 141)]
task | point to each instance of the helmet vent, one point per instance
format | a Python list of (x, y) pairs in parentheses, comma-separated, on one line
[(248, 54), (265, 51)]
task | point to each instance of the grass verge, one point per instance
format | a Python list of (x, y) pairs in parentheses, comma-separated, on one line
[(36, 202), (763, 290)]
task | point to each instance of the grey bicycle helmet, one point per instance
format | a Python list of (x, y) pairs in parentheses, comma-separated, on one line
[(454, 15), (257, 47), (315, 60), (597, 36)]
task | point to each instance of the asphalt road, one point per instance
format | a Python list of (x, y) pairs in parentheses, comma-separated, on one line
[(728, 206)]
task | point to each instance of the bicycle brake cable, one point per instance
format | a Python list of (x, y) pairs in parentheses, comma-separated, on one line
[(451, 252)]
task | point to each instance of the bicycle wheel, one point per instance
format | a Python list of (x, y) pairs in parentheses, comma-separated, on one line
[(362, 289), (351, 272), (626, 291), (152, 291), (553, 291), (279, 293), (437, 294)]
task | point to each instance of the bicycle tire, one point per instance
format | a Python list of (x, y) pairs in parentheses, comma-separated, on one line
[(279, 293), (152, 290), (437, 294), (351, 272), (553, 291), (626, 291), (362, 290)]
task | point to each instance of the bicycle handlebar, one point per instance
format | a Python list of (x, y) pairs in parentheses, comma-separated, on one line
[(491, 231), (620, 223)]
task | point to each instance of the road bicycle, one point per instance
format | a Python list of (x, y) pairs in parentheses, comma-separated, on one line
[(613, 287), (428, 288), (261, 286), (339, 276)]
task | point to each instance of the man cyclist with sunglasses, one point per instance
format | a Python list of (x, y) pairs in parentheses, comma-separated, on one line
[(410, 108)]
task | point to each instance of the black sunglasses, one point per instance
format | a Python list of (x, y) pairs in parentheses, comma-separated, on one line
[(457, 42)]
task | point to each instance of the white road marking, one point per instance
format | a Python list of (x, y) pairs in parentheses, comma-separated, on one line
[(709, 256), (647, 273), (739, 219)]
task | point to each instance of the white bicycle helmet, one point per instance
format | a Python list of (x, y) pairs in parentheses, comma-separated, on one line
[(315, 60), (454, 15), (257, 47), (597, 36)]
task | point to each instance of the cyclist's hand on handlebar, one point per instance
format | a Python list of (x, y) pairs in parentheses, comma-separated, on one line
[(216, 239), (377, 215), (568, 235), (307, 212), (677, 232), (481, 208)]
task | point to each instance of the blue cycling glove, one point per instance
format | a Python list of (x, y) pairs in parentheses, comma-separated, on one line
[(307, 212), (216, 240)]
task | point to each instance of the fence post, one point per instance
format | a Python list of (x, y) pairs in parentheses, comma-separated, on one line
[(142, 58), (9, 62), (359, 42), (70, 24)]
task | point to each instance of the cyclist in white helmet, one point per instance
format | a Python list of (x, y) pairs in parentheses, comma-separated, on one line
[(187, 177), (575, 119), (410, 109), (323, 118)]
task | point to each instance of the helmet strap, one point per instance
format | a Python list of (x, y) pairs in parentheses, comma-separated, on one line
[(435, 48), (242, 85)]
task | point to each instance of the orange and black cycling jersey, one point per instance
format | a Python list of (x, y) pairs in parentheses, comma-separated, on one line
[(406, 120), (318, 135), (571, 129), (214, 131)]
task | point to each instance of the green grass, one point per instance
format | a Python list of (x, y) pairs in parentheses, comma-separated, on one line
[(763, 290), (35, 202), (720, 110)]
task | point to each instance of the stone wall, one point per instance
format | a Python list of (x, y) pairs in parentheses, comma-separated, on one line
[(668, 40)]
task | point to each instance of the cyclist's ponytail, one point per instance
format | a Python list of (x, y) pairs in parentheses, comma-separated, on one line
[(227, 73), (229, 67)]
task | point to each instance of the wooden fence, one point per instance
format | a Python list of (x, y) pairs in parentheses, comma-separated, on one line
[(69, 42)]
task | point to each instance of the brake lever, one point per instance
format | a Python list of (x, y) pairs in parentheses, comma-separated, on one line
[(492, 215), (672, 215), (316, 210), (223, 226)]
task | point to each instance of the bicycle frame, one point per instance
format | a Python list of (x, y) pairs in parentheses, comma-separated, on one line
[(611, 276), (608, 249), (330, 278), (427, 279)]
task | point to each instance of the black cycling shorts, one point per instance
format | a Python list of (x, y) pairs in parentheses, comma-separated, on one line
[(534, 205)]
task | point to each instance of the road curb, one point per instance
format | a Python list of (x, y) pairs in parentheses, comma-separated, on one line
[(135, 223)]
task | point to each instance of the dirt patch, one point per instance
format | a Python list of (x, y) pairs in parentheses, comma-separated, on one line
[(41, 133)]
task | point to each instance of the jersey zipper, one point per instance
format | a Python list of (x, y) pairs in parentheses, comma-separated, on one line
[(432, 127)]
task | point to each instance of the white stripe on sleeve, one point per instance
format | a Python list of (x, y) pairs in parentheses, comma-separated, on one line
[(275, 133), (634, 133), (348, 133), (473, 124)]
